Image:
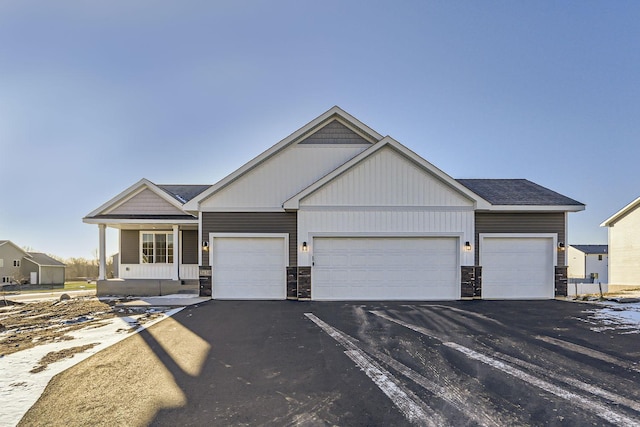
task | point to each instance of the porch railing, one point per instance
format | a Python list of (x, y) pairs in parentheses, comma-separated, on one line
[(157, 271)]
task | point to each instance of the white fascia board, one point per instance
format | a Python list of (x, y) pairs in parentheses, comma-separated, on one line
[(131, 192), (119, 221), (347, 119), (243, 209), (294, 202), (479, 202), (622, 212), (529, 208), (118, 198)]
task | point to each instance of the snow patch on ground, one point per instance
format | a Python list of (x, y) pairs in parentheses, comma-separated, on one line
[(20, 389), (619, 317)]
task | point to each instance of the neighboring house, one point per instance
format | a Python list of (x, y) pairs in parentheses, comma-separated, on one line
[(11, 257), (588, 269), (19, 266), (624, 247), (336, 211), (589, 262)]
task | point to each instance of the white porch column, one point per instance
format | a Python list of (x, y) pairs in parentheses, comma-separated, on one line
[(102, 248), (176, 254)]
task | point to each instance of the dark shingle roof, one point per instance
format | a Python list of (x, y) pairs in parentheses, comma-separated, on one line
[(520, 192), (592, 249), (43, 259), (184, 193)]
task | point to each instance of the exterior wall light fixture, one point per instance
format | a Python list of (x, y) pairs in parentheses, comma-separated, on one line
[(467, 246), (305, 248), (561, 246), (205, 245)]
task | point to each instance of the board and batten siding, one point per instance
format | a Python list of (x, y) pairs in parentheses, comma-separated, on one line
[(280, 177), (624, 250), (251, 222), (387, 178), (389, 222), (552, 222), (146, 202)]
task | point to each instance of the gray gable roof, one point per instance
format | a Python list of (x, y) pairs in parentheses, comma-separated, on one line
[(44, 260), (516, 192), (592, 249), (183, 193)]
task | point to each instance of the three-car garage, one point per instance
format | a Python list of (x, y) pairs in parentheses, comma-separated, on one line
[(383, 267)]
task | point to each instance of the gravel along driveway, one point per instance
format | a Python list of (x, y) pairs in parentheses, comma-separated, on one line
[(292, 363)]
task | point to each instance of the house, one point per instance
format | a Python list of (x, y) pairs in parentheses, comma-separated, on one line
[(624, 247), (590, 262), (588, 269), (20, 266), (336, 211)]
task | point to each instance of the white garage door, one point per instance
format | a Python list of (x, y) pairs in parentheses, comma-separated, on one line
[(248, 267), (385, 268), (517, 267)]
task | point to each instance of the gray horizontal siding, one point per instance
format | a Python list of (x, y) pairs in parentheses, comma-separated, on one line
[(521, 223), (252, 222), (189, 247), (129, 246)]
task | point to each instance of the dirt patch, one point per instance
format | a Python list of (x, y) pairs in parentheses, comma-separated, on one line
[(26, 325)]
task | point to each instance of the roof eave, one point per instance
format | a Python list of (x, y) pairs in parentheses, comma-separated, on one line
[(536, 208), (609, 222), (194, 204), (293, 203), (108, 221)]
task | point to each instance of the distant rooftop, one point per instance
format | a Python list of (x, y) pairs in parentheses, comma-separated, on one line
[(592, 249), (44, 259), (516, 192)]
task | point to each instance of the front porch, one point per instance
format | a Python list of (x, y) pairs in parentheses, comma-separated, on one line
[(158, 243), (153, 259)]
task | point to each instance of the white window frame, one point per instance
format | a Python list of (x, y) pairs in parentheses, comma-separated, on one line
[(16, 263), (168, 258)]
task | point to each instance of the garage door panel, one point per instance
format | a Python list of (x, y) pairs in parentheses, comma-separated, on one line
[(517, 267), (377, 268), (249, 268)]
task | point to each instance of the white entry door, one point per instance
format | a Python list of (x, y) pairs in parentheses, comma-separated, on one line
[(249, 267), (517, 267), (385, 268)]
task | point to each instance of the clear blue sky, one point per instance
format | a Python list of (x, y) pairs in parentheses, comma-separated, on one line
[(95, 96)]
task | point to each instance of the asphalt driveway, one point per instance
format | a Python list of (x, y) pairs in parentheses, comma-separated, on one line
[(295, 363)]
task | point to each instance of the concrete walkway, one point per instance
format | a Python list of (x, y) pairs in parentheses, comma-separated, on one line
[(174, 300)]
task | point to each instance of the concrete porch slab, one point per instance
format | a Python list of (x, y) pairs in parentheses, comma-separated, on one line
[(173, 300)]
